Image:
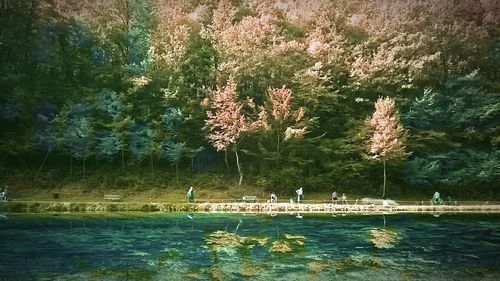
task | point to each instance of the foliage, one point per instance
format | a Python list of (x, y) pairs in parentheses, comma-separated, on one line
[(387, 141), (108, 143), (109, 103), (225, 121), (9, 111), (172, 118), (388, 136), (172, 150), (76, 135), (138, 38), (460, 118), (129, 78), (140, 140), (45, 139)]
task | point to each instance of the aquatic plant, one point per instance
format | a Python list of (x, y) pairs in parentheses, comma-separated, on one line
[(168, 256), (287, 243), (383, 238), (223, 239), (343, 265)]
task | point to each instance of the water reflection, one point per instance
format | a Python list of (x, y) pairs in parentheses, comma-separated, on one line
[(235, 247)]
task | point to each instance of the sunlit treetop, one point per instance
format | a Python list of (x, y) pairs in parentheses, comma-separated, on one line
[(388, 134), (408, 39)]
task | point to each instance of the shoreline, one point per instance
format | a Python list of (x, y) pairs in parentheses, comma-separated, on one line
[(257, 208)]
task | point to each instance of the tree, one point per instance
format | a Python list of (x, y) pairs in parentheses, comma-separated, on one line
[(387, 141), (77, 132), (140, 138), (226, 121), (282, 119), (45, 136), (172, 151), (454, 134)]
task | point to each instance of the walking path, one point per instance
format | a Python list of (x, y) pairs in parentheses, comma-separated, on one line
[(326, 208), (233, 207)]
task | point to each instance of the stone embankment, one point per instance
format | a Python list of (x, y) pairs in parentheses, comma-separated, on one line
[(265, 208)]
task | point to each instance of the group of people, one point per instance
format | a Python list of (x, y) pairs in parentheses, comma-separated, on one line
[(300, 197), (343, 198), (436, 200)]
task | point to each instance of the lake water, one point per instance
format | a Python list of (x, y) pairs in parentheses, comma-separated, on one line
[(251, 247)]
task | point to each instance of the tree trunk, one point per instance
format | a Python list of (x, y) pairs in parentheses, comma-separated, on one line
[(177, 172), (44, 159), (444, 62), (385, 179), (225, 159), (123, 159), (152, 163), (238, 164), (278, 150)]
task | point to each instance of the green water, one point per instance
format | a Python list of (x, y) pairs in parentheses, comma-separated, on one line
[(283, 247)]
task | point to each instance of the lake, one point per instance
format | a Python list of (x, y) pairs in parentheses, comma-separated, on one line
[(253, 247)]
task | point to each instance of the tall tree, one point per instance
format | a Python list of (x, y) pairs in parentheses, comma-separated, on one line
[(172, 151), (170, 148), (77, 132), (283, 122), (387, 141), (226, 121)]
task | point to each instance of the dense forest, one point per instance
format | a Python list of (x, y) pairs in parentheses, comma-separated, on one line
[(262, 93)]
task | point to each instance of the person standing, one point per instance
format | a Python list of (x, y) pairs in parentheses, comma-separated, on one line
[(300, 195), (274, 197), (334, 197), (344, 199), (4, 195), (436, 199), (190, 195)]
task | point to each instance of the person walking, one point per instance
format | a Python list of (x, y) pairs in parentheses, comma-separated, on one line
[(300, 195), (190, 195)]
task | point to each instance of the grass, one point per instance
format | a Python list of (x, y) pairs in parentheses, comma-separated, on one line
[(144, 186)]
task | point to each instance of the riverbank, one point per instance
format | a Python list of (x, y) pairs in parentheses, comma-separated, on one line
[(237, 207)]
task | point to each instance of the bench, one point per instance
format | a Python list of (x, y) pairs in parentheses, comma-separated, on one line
[(111, 197), (249, 199)]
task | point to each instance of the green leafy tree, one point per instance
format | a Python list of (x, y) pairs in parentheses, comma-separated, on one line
[(140, 141), (173, 151), (77, 132)]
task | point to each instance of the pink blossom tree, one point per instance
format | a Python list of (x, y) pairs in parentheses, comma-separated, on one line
[(226, 121), (387, 141), (284, 122)]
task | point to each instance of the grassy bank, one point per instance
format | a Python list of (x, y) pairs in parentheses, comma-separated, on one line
[(144, 186)]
